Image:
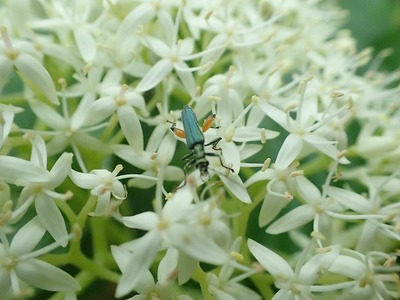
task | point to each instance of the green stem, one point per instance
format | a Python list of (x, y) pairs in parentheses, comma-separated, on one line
[(200, 276)]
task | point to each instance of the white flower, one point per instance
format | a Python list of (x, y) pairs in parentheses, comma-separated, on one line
[(379, 218), (281, 188), (173, 55), (102, 184), (120, 100), (154, 159), (39, 185), (301, 282), (23, 57), (18, 263), (147, 287), (67, 130), (369, 277), (177, 225), (302, 130), (78, 21), (223, 287)]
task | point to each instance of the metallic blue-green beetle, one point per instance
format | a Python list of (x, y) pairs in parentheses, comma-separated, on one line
[(195, 142)]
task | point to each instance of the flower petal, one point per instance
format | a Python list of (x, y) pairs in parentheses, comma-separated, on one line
[(155, 75), (236, 186), (34, 71), (51, 218), (289, 151), (45, 276), (140, 260), (197, 244), (271, 261), (27, 238), (295, 218), (14, 169), (86, 44), (131, 127), (48, 115), (313, 268), (145, 221), (349, 199)]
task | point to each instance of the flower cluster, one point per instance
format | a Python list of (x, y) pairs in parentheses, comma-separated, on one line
[(302, 140)]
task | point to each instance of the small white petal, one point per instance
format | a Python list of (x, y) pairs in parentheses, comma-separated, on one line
[(16, 169), (248, 134), (196, 244), (295, 218), (271, 206), (89, 142), (141, 259), (235, 185), (85, 180), (186, 267), (312, 269), (131, 127), (32, 70), (307, 190), (157, 46), (60, 170), (186, 77), (86, 44), (48, 115), (156, 74), (349, 199), (140, 15), (39, 152), (324, 146), (289, 151), (271, 261), (51, 218), (27, 238), (99, 110), (103, 203), (141, 159), (167, 267), (348, 266), (275, 114), (145, 221), (45, 276)]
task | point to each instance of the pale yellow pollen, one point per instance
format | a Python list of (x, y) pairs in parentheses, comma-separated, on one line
[(289, 196), (204, 220), (263, 136), (237, 256), (154, 156), (213, 98), (228, 134), (323, 249), (266, 165), (318, 235), (390, 262), (163, 224)]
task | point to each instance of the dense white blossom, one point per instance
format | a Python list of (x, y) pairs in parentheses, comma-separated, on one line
[(296, 148)]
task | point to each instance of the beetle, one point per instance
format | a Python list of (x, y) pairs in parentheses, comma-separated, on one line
[(195, 142)]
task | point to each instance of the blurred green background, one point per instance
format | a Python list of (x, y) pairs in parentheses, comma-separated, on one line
[(376, 23)]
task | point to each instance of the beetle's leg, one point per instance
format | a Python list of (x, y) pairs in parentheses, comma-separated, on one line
[(208, 122), (214, 144), (220, 161), (187, 157), (185, 169)]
